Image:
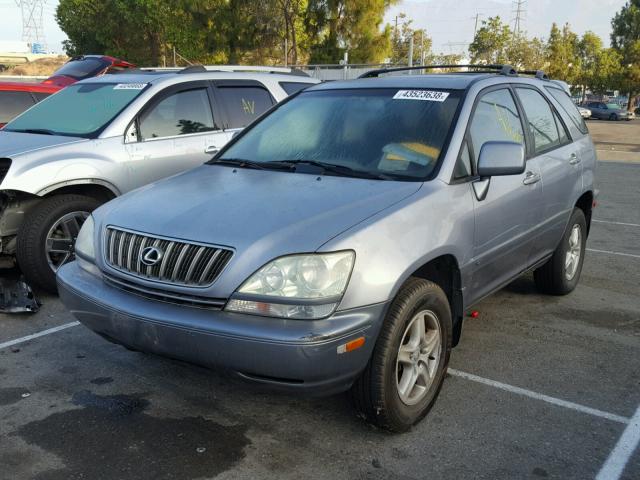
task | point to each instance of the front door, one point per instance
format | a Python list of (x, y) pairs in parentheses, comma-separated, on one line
[(505, 216), (176, 132)]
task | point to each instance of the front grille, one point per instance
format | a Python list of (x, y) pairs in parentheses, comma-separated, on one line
[(182, 263), (165, 296), (5, 164)]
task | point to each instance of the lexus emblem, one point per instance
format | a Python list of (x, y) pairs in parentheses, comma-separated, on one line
[(151, 256)]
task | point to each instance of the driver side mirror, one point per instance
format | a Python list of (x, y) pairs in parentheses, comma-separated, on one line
[(497, 158), (501, 158)]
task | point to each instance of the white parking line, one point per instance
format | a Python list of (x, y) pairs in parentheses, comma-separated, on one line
[(617, 223), (539, 396), (609, 252), (20, 340), (619, 457)]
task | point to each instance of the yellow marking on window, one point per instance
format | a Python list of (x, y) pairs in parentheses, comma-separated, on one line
[(249, 106)]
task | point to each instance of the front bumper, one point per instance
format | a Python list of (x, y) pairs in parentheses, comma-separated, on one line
[(295, 355)]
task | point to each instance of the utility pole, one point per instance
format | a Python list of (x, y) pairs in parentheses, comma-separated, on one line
[(410, 59), (519, 9), (32, 24), (475, 26)]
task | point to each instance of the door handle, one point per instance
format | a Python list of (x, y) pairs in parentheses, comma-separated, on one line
[(574, 159), (212, 149), (530, 178)]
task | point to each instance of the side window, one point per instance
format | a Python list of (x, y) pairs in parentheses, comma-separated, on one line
[(495, 119), (13, 104), (244, 104), (564, 135), (569, 108), (294, 87), (542, 123), (178, 114)]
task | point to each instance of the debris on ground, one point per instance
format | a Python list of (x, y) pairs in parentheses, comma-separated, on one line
[(16, 296)]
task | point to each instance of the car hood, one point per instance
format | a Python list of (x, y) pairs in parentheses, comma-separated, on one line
[(17, 143), (260, 214)]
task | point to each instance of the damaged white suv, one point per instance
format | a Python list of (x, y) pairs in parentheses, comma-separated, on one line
[(106, 136)]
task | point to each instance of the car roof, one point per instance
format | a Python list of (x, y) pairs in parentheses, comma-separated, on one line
[(157, 77), (28, 87)]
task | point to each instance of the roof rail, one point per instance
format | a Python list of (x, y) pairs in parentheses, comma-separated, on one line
[(539, 74), (229, 68), (500, 69)]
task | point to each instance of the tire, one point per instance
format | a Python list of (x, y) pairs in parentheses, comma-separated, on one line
[(376, 394), (613, 117), (31, 249), (556, 277)]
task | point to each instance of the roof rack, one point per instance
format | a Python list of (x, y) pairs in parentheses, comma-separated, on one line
[(228, 68), (507, 70), (539, 74)]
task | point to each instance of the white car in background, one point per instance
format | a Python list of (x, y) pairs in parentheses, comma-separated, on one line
[(105, 136), (585, 112)]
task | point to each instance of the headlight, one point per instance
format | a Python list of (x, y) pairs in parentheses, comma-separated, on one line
[(84, 241), (297, 286)]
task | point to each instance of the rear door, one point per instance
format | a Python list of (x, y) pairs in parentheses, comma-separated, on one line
[(12, 104), (558, 161), (506, 215), (177, 130), (241, 102)]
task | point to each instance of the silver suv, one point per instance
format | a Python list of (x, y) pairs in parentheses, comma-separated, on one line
[(338, 242), (102, 137)]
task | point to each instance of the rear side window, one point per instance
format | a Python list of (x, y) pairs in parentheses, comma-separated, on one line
[(495, 119), (540, 119), (13, 104), (179, 114), (569, 108), (294, 87), (244, 104)]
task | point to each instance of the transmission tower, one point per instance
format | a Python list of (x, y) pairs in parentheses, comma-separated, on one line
[(519, 9), (32, 23)]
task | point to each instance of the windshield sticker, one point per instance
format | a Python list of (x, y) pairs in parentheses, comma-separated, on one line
[(130, 86), (426, 95)]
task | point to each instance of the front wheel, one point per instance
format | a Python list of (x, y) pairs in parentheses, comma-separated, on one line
[(408, 365), (560, 275), (613, 117), (47, 237)]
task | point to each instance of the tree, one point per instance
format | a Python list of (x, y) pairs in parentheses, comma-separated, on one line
[(491, 42), (562, 54), (625, 39), (401, 39), (354, 26), (526, 54)]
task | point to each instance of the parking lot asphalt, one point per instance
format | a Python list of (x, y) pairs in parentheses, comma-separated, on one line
[(540, 387)]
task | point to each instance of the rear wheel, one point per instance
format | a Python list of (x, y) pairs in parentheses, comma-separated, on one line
[(561, 273), (46, 239), (409, 362)]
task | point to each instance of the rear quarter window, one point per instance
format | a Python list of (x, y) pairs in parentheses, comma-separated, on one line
[(569, 108), (294, 87), (13, 104)]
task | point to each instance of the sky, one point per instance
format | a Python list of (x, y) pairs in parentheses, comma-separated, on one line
[(450, 23)]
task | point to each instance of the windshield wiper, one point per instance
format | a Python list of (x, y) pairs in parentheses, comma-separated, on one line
[(40, 131), (244, 163), (341, 170)]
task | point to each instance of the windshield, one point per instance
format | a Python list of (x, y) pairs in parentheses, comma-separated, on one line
[(613, 106), (78, 110), (83, 68), (391, 133)]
